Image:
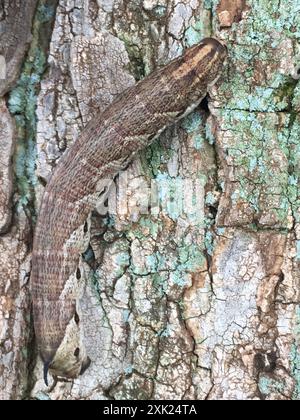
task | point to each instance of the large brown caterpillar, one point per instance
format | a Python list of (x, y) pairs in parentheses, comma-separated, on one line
[(104, 147)]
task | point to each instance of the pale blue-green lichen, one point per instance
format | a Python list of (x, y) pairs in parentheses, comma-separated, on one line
[(195, 33), (267, 25), (151, 262), (264, 175), (125, 315), (200, 26), (210, 198), (160, 10), (190, 257), (159, 283), (209, 135), (153, 226), (155, 157), (220, 231), (170, 193), (22, 103), (166, 332), (128, 370), (208, 4), (192, 122), (42, 396), (295, 369), (209, 242), (269, 385), (122, 261), (198, 141), (298, 249), (46, 11), (179, 278), (147, 226), (139, 48)]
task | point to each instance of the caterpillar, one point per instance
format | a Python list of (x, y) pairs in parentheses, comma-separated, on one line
[(105, 146)]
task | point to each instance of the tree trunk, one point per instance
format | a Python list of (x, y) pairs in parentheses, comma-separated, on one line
[(192, 279)]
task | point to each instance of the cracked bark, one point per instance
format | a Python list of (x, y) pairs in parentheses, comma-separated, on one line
[(201, 307)]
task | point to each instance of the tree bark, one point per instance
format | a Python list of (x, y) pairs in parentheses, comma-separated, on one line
[(192, 279)]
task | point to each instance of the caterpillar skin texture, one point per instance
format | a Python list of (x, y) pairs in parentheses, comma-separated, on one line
[(106, 145)]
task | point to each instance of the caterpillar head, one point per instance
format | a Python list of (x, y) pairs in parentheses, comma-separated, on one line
[(198, 69)]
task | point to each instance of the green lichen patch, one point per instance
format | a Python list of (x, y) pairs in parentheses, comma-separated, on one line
[(160, 10), (295, 369), (295, 355), (269, 17), (195, 33), (250, 91), (192, 122), (296, 97), (42, 396), (155, 158), (258, 78), (298, 250), (264, 151), (268, 385), (22, 103)]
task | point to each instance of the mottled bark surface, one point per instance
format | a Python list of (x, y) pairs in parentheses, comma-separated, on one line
[(176, 303), (15, 36)]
